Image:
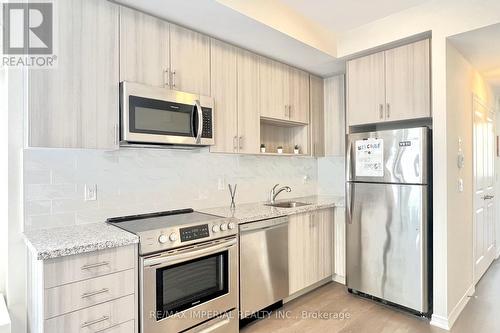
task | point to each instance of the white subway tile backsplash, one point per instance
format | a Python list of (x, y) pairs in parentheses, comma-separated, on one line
[(133, 181)]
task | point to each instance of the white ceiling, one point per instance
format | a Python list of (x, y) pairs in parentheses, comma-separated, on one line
[(482, 48), (342, 15), (220, 21)]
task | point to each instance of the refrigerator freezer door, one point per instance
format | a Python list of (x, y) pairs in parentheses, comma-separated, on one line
[(401, 153), (386, 242)]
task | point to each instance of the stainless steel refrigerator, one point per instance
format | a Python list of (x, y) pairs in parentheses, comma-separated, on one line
[(388, 192)]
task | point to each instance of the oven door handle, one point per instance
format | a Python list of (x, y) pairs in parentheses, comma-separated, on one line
[(199, 112), (167, 260)]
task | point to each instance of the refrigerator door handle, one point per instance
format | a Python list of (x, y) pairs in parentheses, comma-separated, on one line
[(350, 202)]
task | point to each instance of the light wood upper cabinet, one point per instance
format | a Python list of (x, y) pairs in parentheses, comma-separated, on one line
[(392, 85), (144, 48), (334, 116), (317, 117), (248, 103), (366, 90), (327, 116), (190, 60), (297, 86), (310, 248), (224, 76), (407, 71), (284, 92), (272, 89), (75, 105)]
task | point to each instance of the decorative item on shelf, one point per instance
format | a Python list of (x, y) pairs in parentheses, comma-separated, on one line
[(262, 148), (280, 149), (296, 149), (232, 192)]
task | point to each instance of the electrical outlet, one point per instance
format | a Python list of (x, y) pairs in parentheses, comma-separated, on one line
[(306, 179), (460, 185), (91, 192)]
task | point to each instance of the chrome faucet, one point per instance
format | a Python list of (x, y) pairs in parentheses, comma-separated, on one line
[(274, 193)]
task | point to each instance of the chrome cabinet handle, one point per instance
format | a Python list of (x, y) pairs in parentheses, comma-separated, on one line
[(166, 77), (95, 293), (381, 111), (286, 111), (388, 112), (173, 78), (235, 144), (289, 111), (240, 141), (93, 322), (116, 134), (100, 264)]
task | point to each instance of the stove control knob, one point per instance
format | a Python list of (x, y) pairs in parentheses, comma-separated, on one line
[(223, 227), (215, 228), (162, 239), (231, 225), (172, 237)]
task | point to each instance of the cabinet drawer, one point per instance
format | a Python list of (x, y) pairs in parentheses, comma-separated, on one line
[(70, 269), (94, 319), (128, 327), (79, 295)]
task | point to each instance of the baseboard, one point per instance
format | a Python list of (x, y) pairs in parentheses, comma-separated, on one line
[(339, 279), (307, 290), (447, 323)]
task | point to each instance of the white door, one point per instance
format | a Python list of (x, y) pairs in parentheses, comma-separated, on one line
[(484, 213)]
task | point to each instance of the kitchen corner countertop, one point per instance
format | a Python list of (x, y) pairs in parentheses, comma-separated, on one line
[(259, 211), (64, 241)]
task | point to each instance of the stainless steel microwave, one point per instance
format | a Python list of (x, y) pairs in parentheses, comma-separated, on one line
[(160, 116)]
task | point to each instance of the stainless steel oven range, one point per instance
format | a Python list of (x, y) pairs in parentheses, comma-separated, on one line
[(188, 271)]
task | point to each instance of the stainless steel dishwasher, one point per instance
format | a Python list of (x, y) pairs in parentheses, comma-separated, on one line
[(263, 264)]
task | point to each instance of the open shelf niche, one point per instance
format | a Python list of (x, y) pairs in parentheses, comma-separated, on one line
[(275, 133)]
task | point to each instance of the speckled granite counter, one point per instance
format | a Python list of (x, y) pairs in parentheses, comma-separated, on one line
[(65, 241), (259, 211)]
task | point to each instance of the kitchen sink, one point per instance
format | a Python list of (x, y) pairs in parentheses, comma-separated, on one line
[(288, 204)]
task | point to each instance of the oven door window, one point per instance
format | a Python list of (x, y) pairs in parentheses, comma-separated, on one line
[(182, 286), (152, 116)]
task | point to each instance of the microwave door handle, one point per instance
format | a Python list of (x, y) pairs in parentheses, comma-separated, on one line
[(200, 121)]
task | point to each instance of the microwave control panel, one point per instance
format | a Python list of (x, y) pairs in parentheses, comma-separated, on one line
[(207, 123), (192, 233)]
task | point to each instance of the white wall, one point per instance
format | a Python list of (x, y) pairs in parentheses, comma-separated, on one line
[(462, 82), (443, 18), (4, 130), (132, 181)]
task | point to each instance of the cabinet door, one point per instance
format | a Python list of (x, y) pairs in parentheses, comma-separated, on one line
[(317, 117), (144, 48), (366, 90), (75, 105), (272, 89), (339, 245), (300, 251), (248, 103), (297, 87), (334, 116), (190, 60), (408, 81), (224, 91), (324, 227)]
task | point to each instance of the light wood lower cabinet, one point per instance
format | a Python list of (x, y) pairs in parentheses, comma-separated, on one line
[(310, 248), (90, 292), (339, 250)]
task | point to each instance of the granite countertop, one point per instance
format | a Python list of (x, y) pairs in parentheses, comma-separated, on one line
[(64, 241), (259, 211), (76, 239)]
